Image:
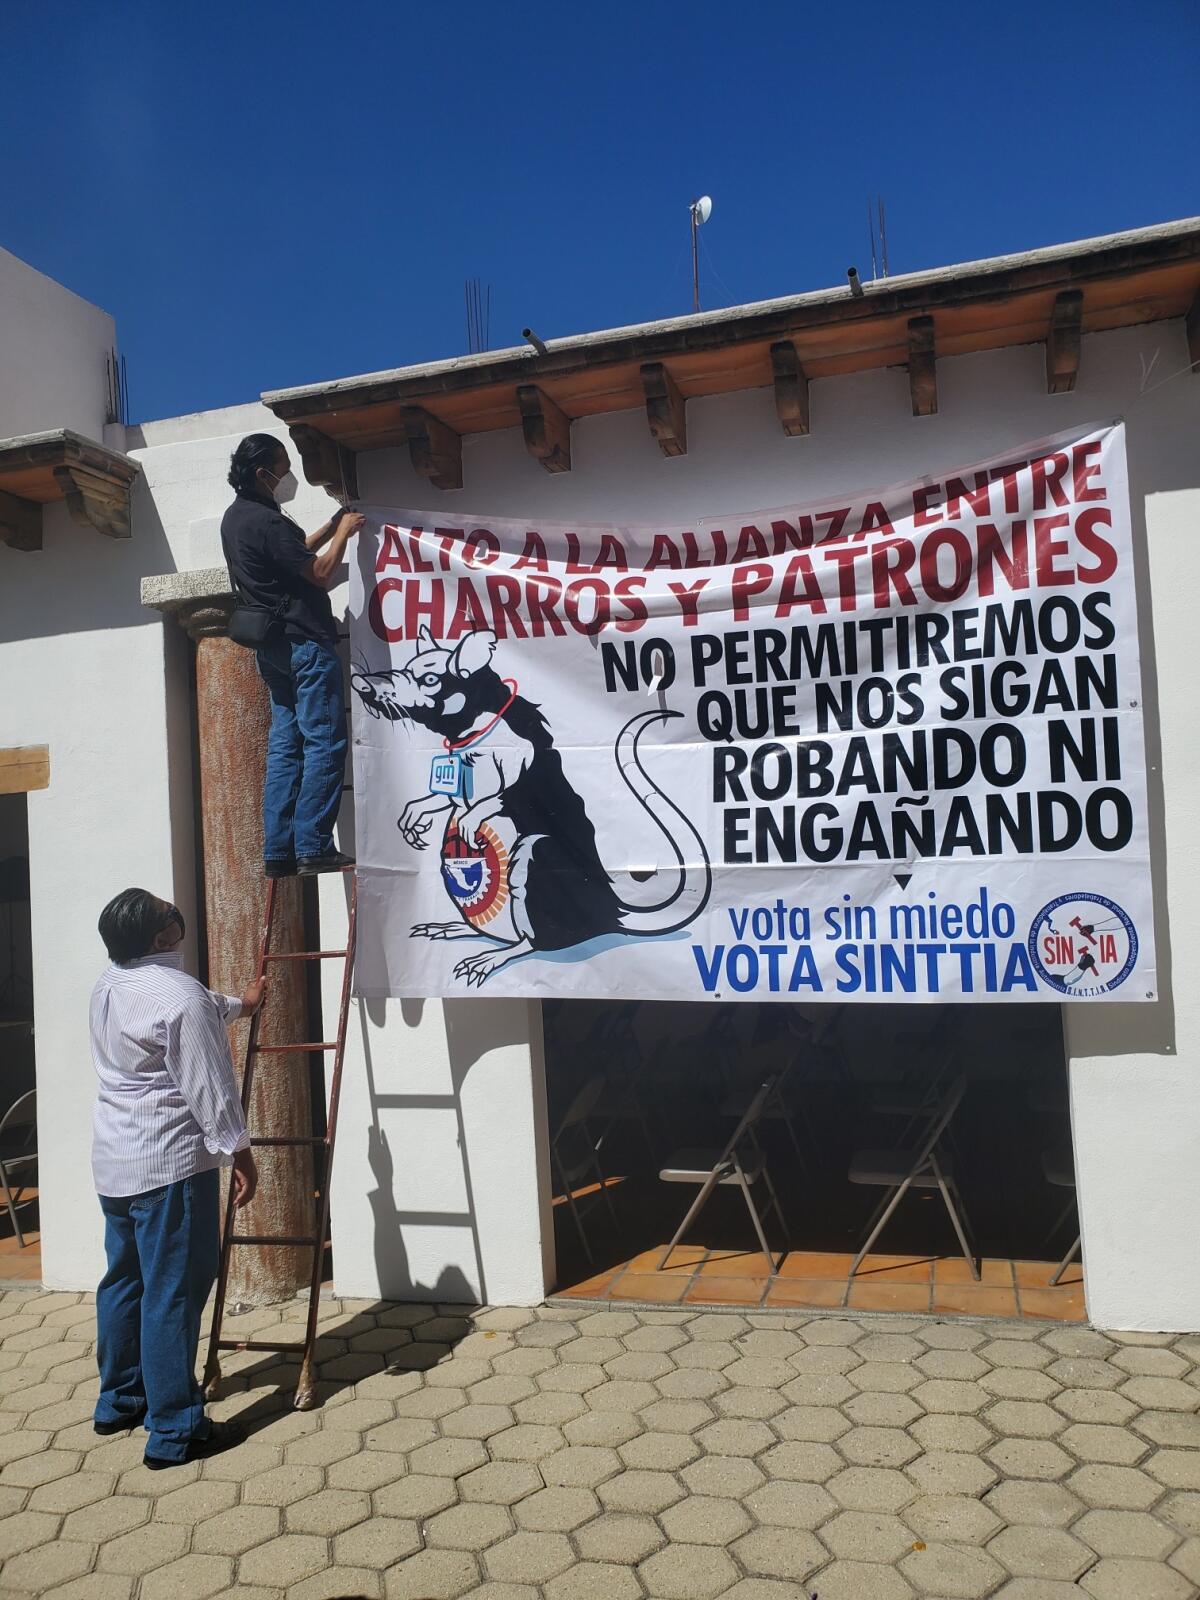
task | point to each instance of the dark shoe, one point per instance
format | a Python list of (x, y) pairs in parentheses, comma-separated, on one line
[(122, 1425), (335, 861), (224, 1436), (285, 868)]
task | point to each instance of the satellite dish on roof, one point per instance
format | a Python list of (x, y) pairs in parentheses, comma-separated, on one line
[(699, 212)]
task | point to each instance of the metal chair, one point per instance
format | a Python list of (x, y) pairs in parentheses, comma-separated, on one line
[(924, 1166), (1059, 1169), (575, 1154), (18, 1150), (741, 1164)]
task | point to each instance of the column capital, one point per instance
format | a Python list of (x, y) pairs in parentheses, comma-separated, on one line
[(201, 601)]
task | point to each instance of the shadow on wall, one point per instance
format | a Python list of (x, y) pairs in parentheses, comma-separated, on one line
[(80, 582), (467, 1041)]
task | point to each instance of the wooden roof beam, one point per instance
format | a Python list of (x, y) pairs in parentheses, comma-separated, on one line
[(1063, 341), (666, 409), (327, 464), (434, 449), (922, 366), (547, 429), (20, 522), (791, 388)]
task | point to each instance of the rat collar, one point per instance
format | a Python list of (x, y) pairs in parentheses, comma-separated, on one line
[(478, 735)]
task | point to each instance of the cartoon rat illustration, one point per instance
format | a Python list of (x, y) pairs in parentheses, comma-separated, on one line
[(519, 855)]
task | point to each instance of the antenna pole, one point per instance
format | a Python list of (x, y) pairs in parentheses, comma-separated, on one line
[(695, 264)]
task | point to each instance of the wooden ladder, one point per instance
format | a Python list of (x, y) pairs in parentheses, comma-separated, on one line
[(305, 1398)]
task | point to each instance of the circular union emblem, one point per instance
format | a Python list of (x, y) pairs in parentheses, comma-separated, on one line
[(1083, 944), (476, 880)]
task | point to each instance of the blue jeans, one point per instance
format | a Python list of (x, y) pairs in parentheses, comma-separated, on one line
[(162, 1249), (306, 750)]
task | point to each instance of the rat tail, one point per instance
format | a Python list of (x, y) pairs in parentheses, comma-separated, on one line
[(684, 887)]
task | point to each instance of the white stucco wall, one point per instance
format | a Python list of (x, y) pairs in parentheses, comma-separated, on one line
[(440, 1186), (53, 347)]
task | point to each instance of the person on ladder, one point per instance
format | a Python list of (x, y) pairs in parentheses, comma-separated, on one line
[(281, 578), (167, 1116)]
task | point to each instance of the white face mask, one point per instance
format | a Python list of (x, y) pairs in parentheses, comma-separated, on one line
[(285, 488)]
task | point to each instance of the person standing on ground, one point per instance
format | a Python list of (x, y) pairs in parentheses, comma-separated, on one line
[(283, 576), (167, 1116)]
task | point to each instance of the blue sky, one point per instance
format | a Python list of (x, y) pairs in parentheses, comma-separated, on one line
[(269, 193)]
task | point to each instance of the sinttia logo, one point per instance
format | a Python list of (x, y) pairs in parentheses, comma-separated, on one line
[(1083, 944)]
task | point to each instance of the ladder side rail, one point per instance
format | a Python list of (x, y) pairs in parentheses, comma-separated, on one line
[(306, 1384), (212, 1370)]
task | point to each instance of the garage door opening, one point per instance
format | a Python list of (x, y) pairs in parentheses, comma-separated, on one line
[(645, 1095)]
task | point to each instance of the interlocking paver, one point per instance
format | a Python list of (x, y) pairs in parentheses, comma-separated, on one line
[(1126, 1533), (687, 1572), (958, 1572), (1041, 1553), (878, 1447), (866, 1536), (951, 1519), (142, 1550), (529, 1557), (622, 1538), (47, 1566), (1094, 1405), (237, 1530), (1029, 1458), (432, 1575), (594, 1580), (953, 1472), (378, 1543), (581, 1466), (872, 1489), (734, 1476), (1098, 1441), (664, 1451), (774, 1552), (469, 1527), (855, 1580), (196, 1576), (556, 1510), (792, 1505), (1114, 1578), (671, 1454), (702, 1519), (1114, 1488), (638, 1490)]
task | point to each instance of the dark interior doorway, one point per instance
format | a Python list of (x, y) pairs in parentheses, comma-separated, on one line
[(17, 1067), (658, 1078)]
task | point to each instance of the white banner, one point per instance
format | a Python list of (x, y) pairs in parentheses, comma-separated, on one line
[(879, 750)]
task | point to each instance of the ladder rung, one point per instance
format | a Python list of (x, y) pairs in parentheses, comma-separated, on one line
[(286, 1139), (308, 955), (273, 1238), (260, 1344), (285, 1049)]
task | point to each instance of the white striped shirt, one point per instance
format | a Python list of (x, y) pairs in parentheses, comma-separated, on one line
[(168, 1104)]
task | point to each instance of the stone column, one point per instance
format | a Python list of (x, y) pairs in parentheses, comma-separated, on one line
[(233, 715)]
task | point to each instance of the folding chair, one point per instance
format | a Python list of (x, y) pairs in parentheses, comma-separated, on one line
[(1059, 1169), (575, 1154), (924, 1166), (740, 1164), (18, 1150), (918, 1101)]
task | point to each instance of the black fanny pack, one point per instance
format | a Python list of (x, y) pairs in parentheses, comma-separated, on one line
[(252, 625)]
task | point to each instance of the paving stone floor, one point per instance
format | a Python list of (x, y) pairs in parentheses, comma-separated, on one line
[(579, 1454)]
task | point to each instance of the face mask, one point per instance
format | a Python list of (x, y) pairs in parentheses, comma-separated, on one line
[(285, 488)]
